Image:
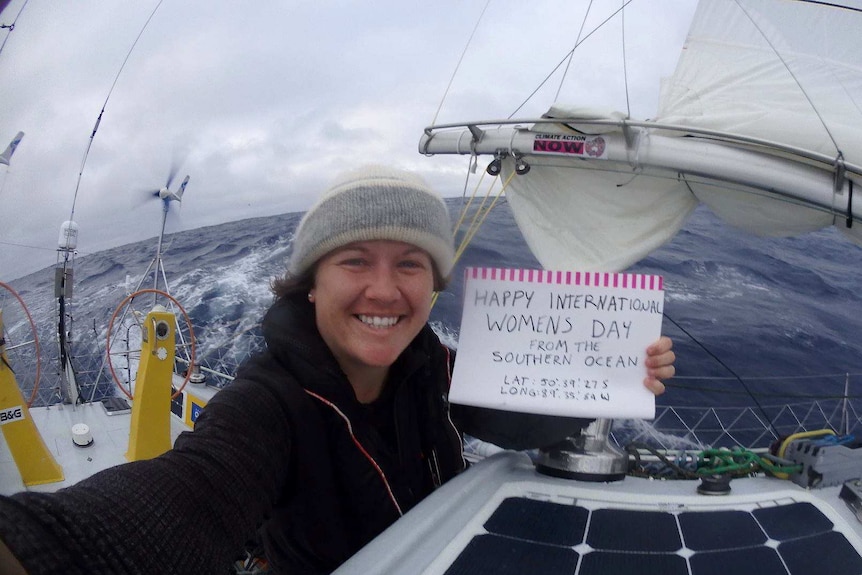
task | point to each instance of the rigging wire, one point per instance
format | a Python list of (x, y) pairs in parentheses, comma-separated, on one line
[(727, 367), (458, 65), (830, 5), (792, 75), (551, 73), (572, 53), (625, 67), (17, 245), (11, 27)]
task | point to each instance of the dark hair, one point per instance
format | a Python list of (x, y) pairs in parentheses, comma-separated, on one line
[(287, 285)]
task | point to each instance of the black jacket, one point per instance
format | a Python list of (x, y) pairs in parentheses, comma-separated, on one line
[(286, 451), (353, 469)]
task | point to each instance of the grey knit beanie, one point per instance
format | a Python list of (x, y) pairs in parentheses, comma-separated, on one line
[(375, 203)]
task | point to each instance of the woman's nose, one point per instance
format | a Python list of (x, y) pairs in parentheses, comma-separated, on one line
[(382, 284)]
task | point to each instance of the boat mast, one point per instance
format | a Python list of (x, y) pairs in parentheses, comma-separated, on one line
[(158, 261), (63, 284)]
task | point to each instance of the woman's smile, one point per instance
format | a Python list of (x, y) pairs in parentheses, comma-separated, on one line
[(371, 299), (377, 321)]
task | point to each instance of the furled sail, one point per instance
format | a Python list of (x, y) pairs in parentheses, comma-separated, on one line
[(761, 121), (787, 72)]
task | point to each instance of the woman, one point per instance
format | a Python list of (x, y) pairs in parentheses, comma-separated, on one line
[(323, 440)]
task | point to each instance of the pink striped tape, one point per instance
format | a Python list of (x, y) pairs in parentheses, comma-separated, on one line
[(597, 279)]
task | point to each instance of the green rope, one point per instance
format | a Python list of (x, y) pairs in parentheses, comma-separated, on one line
[(739, 462)]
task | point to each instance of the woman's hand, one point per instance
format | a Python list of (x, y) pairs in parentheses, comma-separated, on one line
[(659, 363)]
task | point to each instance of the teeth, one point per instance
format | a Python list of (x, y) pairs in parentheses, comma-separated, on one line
[(379, 322)]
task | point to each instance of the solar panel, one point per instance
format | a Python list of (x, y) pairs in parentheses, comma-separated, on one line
[(525, 535)]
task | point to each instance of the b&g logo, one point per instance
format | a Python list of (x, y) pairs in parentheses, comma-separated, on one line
[(11, 414)]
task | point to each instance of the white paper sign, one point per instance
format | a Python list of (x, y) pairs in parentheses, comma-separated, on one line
[(557, 343)]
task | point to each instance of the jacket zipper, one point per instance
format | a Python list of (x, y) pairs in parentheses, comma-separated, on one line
[(361, 448)]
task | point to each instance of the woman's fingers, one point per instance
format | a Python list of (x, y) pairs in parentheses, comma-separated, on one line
[(659, 363)]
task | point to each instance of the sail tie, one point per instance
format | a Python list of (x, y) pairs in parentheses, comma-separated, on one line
[(838, 187)]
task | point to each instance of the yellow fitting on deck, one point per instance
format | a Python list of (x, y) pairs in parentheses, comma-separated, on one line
[(35, 462), (150, 433)]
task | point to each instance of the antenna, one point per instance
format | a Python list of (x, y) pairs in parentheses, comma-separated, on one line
[(63, 275)]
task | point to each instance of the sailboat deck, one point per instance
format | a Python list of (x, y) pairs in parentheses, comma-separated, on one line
[(110, 434), (110, 442), (503, 517)]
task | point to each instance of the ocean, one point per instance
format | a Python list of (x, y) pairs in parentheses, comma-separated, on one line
[(755, 321)]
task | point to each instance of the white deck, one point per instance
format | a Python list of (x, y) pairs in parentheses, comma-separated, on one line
[(429, 538), (110, 441)]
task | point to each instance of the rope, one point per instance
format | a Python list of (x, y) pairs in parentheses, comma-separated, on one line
[(466, 207), (737, 462), (477, 220), (639, 469), (480, 216)]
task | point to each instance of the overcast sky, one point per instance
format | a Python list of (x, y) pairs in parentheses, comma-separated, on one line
[(264, 102)]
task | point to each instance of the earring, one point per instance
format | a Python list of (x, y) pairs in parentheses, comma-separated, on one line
[(311, 297)]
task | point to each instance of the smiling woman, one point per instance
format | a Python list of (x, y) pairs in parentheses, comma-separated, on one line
[(371, 300), (322, 441), (388, 243)]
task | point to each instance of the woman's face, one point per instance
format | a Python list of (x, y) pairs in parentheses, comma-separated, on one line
[(371, 299)]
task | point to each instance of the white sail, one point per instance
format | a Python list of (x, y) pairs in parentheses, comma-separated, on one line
[(788, 72), (594, 215), (761, 121)]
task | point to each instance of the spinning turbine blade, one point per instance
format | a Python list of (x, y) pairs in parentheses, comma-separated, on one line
[(10, 149), (179, 195), (175, 167)]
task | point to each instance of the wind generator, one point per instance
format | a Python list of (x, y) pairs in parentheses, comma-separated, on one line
[(166, 196), (130, 318)]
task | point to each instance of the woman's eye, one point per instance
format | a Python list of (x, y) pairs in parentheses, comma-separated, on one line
[(411, 264), (353, 262)]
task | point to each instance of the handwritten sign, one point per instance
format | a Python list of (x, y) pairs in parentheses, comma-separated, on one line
[(557, 343)]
